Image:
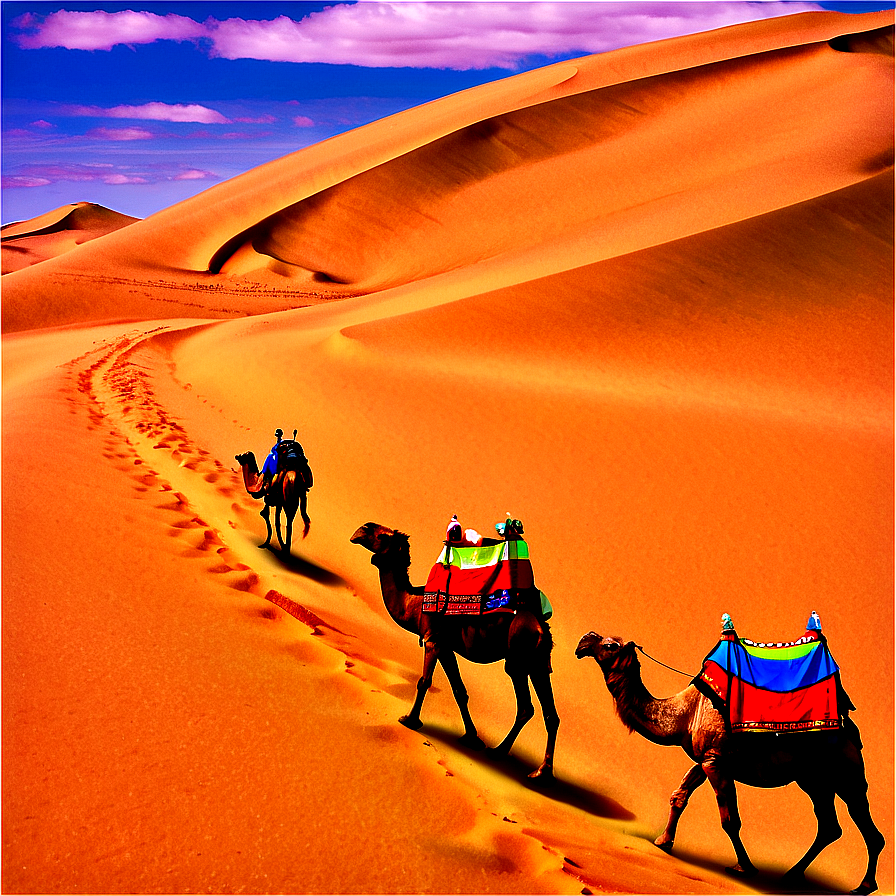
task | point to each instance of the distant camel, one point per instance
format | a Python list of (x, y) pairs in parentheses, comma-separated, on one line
[(520, 639), (287, 492), (820, 764)]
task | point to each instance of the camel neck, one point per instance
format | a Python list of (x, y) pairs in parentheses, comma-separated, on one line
[(656, 719), (401, 603)]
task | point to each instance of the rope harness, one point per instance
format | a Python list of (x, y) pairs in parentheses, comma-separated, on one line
[(671, 668)]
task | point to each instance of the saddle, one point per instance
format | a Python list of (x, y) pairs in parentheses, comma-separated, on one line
[(495, 576), (779, 687)]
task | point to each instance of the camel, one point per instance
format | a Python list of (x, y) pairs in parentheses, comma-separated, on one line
[(521, 639), (821, 764), (288, 492)]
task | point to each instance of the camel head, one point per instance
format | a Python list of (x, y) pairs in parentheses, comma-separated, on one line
[(386, 545), (610, 653)]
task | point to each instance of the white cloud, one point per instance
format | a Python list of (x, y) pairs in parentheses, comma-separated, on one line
[(450, 35), (153, 112)]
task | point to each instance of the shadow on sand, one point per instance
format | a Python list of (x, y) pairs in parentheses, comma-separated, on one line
[(305, 568), (763, 882), (555, 788)]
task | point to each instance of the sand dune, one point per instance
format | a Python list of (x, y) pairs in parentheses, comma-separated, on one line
[(25, 243), (643, 301)]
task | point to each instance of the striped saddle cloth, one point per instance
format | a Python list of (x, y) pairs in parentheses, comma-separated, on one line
[(490, 577), (790, 686)]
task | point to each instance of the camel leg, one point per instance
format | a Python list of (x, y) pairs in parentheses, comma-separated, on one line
[(541, 681), (266, 516), (430, 657), (855, 795), (679, 799), (289, 517), (277, 522), (303, 509), (524, 708), (726, 797), (470, 737), (829, 830)]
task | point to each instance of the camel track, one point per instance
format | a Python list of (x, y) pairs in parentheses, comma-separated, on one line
[(114, 381), (204, 503)]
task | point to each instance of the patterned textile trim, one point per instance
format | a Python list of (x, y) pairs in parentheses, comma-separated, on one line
[(454, 605)]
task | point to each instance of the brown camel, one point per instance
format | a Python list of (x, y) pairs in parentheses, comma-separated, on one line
[(521, 639), (288, 492), (820, 763)]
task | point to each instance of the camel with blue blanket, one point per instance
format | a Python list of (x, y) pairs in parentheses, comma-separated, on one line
[(760, 714)]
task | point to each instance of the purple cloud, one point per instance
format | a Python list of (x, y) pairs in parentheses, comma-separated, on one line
[(194, 174), (153, 112), (468, 35), (23, 180), (121, 134), (122, 179), (303, 121), (98, 30)]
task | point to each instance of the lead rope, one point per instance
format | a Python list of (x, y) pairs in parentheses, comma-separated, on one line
[(639, 647)]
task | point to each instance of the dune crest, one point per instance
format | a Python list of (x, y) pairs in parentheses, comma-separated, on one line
[(584, 161), (26, 243)]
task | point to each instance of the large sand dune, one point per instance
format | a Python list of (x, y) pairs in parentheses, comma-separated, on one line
[(25, 243), (643, 301)]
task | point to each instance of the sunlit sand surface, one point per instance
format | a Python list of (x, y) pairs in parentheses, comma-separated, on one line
[(642, 301)]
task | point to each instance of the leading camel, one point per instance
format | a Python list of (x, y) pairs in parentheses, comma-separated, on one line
[(521, 640), (287, 492), (820, 765)]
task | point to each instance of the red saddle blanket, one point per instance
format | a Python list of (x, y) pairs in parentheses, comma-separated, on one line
[(476, 580), (780, 687)]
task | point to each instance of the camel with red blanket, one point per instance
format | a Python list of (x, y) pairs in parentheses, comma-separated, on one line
[(521, 639), (822, 764)]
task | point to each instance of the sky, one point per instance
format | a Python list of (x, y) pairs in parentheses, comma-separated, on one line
[(137, 106)]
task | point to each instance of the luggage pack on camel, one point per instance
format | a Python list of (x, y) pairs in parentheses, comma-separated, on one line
[(282, 483)]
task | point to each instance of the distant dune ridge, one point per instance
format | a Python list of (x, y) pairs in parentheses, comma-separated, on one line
[(24, 243), (642, 301), (588, 160)]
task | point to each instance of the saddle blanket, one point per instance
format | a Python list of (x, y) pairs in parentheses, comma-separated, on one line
[(782, 687), (475, 580)]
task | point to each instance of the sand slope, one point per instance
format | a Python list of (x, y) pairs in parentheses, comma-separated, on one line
[(25, 243), (643, 301)]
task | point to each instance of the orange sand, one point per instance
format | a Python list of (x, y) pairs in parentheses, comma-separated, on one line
[(642, 300)]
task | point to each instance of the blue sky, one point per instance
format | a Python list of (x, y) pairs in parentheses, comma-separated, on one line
[(137, 106)]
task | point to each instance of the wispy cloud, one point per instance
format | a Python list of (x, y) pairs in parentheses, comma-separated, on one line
[(460, 36), (20, 181), (118, 134), (152, 112), (97, 30), (104, 173)]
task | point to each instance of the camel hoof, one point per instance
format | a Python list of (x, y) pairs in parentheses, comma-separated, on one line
[(471, 742), (547, 773), (665, 846), (864, 889), (740, 871), (413, 724)]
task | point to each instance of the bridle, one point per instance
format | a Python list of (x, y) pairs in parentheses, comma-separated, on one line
[(671, 668)]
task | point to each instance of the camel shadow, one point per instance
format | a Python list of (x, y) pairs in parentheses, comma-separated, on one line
[(306, 568), (767, 881), (555, 788)]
